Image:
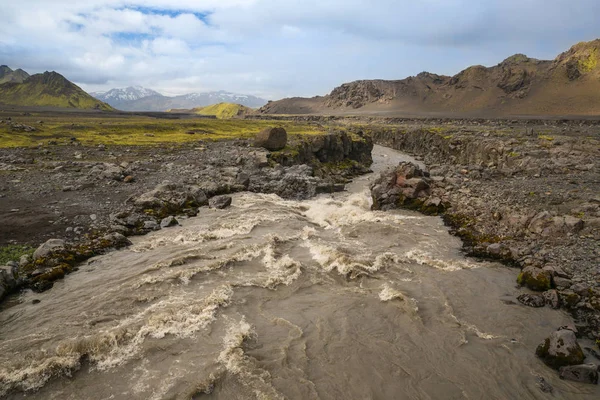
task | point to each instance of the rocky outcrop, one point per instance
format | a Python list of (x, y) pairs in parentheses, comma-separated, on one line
[(272, 139), (55, 259), (406, 186), (524, 198), (560, 349)]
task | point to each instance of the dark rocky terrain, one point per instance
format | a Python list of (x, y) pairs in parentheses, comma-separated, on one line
[(529, 196), (86, 195)]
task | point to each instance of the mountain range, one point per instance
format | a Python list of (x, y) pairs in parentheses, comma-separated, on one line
[(137, 98), (49, 89), (519, 85)]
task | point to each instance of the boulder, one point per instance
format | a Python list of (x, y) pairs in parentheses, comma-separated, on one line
[(532, 300), (551, 298), (220, 202), (50, 246), (272, 139), (168, 222), (535, 279), (406, 186), (169, 199), (584, 373), (560, 349), (114, 240)]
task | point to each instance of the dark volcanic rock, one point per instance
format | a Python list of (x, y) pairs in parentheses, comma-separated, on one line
[(272, 139), (560, 349), (532, 300), (220, 202), (406, 186), (584, 373)]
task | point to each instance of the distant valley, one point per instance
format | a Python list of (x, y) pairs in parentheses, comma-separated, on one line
[(137, 98)]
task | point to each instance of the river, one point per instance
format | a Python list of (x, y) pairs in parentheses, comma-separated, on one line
[(274, 299)]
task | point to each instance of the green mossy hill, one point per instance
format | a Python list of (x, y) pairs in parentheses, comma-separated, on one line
[(8, 75), (49, 89), (223, 110)]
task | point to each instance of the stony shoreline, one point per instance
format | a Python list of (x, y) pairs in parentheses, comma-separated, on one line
[(527, 199), (87, 200)]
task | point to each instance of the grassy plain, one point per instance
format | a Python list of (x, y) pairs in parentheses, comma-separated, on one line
[(125, 129)]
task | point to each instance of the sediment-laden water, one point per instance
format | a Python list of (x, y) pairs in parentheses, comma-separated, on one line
[(273, 299)]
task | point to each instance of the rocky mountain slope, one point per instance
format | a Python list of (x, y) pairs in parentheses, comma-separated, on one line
[(142, 99), (8, 75), (568, 85), (49, 89)]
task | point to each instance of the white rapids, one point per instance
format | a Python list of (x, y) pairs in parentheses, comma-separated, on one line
[(274, 299)]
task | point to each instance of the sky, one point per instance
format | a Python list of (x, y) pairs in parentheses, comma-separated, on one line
[(279, 48)]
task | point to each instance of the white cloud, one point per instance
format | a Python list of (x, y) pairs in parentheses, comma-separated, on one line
[(279, 48)]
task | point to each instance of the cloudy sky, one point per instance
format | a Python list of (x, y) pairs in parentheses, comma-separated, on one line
[(279, 48)]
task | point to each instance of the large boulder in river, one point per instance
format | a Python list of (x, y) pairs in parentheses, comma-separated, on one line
[(272, 139), (535, 279), (560, 349)]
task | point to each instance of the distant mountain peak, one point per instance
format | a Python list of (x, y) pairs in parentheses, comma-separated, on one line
[(569, 85), (137, 98), (49, 89), (8, 75), (130, 93)]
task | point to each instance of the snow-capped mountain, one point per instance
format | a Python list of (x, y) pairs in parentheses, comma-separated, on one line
[(141, 99), (131, 93)]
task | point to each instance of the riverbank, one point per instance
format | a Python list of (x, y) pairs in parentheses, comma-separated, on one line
[(90, 196), (525, 195)]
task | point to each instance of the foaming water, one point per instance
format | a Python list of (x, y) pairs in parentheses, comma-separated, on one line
[(274, 299)]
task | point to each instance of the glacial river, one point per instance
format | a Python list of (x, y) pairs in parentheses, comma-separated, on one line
[(274, 299)]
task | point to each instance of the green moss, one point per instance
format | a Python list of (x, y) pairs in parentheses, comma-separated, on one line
[(540, 283), (223, 110), (141, 130), (590, 62), (14, 253), (546, 137)]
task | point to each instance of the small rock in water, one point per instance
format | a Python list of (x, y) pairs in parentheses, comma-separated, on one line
[(544, 386), (584, 373), (552, 299), (168, 222), (220, 202), (150, 225), (532, 300)]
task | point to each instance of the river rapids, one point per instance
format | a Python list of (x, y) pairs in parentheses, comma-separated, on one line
[(275, 299)]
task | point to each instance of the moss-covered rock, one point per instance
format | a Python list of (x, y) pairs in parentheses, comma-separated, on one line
[(560, 349), (535, 279)]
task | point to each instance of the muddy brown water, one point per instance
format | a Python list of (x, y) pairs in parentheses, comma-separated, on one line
[(273, 299)]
